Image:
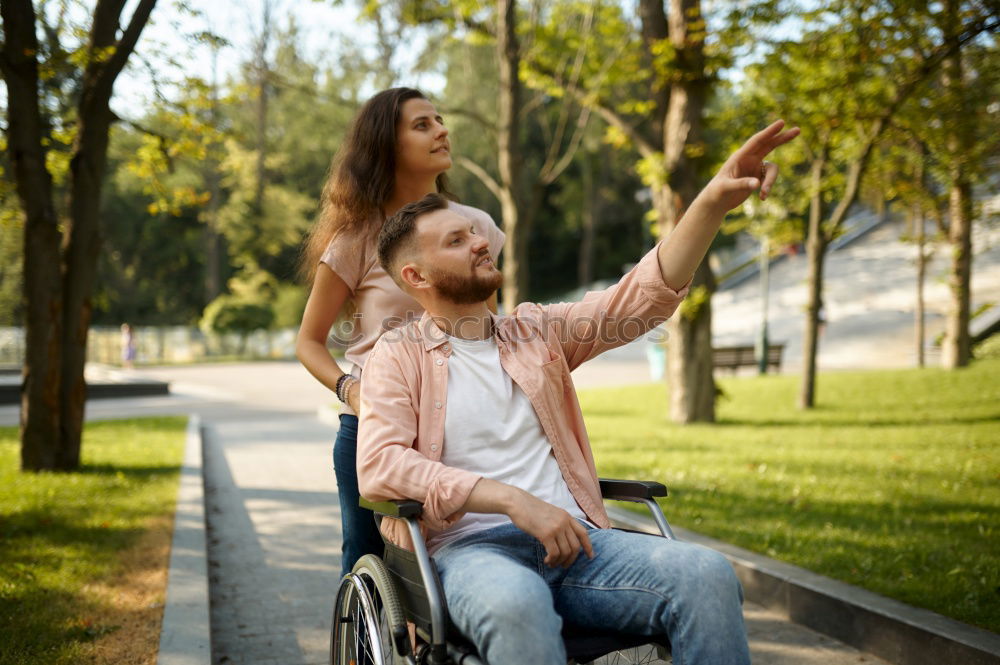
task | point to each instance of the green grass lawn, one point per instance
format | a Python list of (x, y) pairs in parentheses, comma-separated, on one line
[(63, 533), (892, 483)]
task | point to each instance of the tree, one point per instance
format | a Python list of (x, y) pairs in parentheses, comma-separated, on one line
[(844, 81), (902, 176), (967, 83), (60, 254), (654, 95)]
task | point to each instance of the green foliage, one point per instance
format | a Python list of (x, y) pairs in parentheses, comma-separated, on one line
[(233, 314), (62, 532), (596, 46), (889, 484), (256, 236), (696, 299), (289, 304), (848, 68), (989, 348), (151, 265), (187, 170)]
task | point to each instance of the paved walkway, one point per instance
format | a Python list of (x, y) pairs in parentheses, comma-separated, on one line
[(273, 516)]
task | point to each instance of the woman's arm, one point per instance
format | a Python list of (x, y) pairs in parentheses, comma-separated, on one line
[(327, 298)]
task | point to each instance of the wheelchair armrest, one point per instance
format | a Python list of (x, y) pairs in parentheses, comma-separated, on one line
[(631, 490), (399, 508)]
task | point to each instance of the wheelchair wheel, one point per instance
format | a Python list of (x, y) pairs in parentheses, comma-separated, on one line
[(647, 654), (369, 627)]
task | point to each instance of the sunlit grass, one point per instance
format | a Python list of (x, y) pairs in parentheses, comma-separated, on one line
[(892, 483), (60, 532)]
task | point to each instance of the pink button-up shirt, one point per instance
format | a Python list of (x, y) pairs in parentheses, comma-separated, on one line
[(404, 394)]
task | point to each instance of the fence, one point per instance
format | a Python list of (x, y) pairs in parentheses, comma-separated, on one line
[(165, 345)]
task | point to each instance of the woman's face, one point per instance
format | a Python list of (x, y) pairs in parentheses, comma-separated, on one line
[(422, 147)]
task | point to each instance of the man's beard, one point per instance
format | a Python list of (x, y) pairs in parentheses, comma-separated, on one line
[(469, 289)]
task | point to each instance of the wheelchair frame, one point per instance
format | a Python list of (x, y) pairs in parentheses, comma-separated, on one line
[(377, 599)]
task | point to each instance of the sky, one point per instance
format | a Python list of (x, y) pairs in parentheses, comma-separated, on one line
[(322, 25)]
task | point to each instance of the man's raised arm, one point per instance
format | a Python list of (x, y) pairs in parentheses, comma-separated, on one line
[(650, 292)]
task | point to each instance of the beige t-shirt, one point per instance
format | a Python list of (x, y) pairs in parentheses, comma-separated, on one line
[(380, 303)]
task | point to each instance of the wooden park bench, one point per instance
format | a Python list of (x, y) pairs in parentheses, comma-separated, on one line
[(734, 357)]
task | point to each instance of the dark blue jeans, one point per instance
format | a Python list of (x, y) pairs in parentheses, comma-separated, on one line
[(361, 536)]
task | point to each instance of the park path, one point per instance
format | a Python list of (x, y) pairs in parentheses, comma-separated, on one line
[(273, 516)]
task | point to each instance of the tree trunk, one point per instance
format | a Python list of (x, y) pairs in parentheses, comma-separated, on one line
[(588, 221), (689, 366), (42, 282), (689, 354), (81, 250), (816, 243), (957, 347), (918, 315), (515, 267), (653, 21), (213, 238), (263, 77)]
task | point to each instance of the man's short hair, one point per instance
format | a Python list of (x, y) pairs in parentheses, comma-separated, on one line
[(397, 234)]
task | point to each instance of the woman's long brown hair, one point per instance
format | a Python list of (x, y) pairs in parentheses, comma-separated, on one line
[(361, 178)]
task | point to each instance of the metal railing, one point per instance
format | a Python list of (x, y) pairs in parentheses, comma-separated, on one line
[(165, 345)]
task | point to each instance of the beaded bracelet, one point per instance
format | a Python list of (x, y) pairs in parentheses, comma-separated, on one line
[(340, 382), (343, 388)]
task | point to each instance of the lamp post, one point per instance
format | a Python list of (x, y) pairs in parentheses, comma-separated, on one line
[(765, 263)]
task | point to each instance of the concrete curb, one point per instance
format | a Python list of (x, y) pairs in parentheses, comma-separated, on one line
[(869, 622), (185, 637)]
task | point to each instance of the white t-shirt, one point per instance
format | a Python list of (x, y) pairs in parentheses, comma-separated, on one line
[(491, 428)]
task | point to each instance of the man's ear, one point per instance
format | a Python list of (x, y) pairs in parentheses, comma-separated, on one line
[(413, 276)]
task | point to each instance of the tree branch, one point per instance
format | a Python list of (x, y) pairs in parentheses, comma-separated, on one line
[(603, 109), (471, 115), (110, 70), (554, 164), (550, 173), (480, 172), (162, 139)]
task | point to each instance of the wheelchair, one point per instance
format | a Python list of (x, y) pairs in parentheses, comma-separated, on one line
[(378, 601)]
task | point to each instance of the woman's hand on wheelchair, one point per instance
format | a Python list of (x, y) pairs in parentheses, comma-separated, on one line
[(559, 532)]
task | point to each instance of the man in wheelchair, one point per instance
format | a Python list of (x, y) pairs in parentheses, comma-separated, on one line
[(475, 416)]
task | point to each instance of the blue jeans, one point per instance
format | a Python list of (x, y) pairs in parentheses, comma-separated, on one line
[(361, 536), (512, 606)]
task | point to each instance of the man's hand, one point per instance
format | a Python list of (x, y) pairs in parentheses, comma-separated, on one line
[(562, 536), (559, 532), (746, 170)]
